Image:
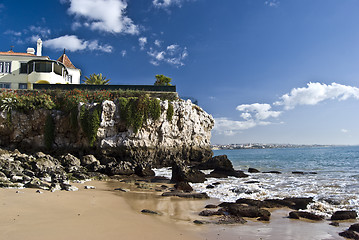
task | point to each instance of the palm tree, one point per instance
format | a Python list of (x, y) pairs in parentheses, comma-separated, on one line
[(96, 79)]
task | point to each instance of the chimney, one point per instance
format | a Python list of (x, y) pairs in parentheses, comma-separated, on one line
[(39, 47), (30, 50)]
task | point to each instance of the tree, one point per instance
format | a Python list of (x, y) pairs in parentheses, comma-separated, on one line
[(162, 80), (96, 79)]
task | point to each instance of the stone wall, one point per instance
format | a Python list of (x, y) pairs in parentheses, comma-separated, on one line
[(158, 143)]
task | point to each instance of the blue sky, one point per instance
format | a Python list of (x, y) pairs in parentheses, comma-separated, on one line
[(269, 71)]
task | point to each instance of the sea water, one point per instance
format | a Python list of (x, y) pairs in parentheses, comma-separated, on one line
[(331, 176)]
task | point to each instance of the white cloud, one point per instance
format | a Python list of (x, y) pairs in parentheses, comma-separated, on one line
[(14, 33), (344, 130), (315, 93), (158, 43), (103, 15), (76, 25), (230, 127), (172, 54), (39, 31), (260, 111), (123, 53), (272, 3), (73, 43), (142, 42), (166, 3)]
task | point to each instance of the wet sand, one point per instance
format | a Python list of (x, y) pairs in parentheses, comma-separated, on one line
[(102, 213), (85, 214)]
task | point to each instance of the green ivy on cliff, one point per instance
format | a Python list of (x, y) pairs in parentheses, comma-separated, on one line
[(49, 131), (135, 111), (90, 122), (170, 112)]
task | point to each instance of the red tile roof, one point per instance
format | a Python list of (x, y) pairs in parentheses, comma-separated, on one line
[(12, 53), (66, 61)]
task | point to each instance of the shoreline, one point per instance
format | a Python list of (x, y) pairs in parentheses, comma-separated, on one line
[(108, 214)]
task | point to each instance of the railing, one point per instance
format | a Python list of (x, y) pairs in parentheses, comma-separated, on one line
[(151, 88)]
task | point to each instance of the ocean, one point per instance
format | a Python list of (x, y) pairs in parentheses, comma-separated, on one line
[(331, 176)]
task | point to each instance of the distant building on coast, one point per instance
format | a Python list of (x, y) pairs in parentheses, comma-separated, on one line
[(22, 70)]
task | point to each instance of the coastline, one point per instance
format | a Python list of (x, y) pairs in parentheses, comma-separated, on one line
[(108, 214)]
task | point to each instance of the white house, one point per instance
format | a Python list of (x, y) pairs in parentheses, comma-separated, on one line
[(22, 70)]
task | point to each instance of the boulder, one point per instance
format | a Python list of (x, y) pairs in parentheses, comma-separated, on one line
[(186, 195), (344, 215), (229, 219), (248, 211), (207, 213), (184, 186), (144, 171), (183, 173), (69, 160), (119, 168), (218, 173), (354, 227), (349, 234), (253, 170), (218, 162), (307, 215)]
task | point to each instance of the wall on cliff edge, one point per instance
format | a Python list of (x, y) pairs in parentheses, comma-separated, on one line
[(157, 143)]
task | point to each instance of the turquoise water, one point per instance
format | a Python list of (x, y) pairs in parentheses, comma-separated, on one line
[(335, 186)]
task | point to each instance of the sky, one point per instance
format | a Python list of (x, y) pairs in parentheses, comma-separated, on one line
[(268, 71)]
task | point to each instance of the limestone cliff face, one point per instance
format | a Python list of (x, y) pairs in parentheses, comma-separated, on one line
[(158, 143)]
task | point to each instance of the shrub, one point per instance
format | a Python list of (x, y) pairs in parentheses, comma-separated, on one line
[(90, 122)]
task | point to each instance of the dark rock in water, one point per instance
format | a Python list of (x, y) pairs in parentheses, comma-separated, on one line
[(294, 203), (198, 222), (148, 211), (185, 195), (253, 170), (307, 215), (344, 215), (231, 220), (251, 182), (208, 213), (211, 206), (297, 172), (218, 162), (184, 186), (144, 171), (335, 224), (183, 173), (248, 211), (210, 186), (354, 227), (349, 234), (313, 173), (160, 179), (217, 173), (275, 172), (216, 183)]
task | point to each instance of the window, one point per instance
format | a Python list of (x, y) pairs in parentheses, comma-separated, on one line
[(22, 85), (69, 78), (43, 67), (5, 85), (23, 67), (58, 69), (5, 67)]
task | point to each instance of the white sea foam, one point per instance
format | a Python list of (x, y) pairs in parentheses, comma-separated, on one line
[(329, 196)]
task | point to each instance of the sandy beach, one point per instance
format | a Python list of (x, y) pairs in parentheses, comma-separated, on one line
[(105, 214)]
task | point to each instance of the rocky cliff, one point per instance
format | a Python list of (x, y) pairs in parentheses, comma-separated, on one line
[(158, 142)]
